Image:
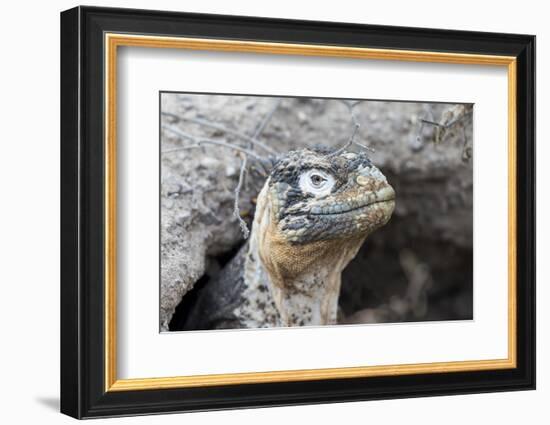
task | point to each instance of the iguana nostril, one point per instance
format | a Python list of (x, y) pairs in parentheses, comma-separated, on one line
[(386, 193)]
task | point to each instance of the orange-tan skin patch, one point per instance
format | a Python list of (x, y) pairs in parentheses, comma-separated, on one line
[(307, 276)]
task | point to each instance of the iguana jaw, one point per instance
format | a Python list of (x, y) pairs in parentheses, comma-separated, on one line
[(360, 202), (339, 217)]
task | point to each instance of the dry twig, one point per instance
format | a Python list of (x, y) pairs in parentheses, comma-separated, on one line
[(206, 123), (356, 125), (263, 124), (453, 116), (259, 129), (236, 209), (199, 141)]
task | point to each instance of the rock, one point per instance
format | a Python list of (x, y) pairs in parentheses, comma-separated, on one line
[(433, 182)]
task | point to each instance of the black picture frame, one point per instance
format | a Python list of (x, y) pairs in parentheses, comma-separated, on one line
[(83, 392)]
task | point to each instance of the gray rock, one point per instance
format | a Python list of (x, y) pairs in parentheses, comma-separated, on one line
[(433, 181)]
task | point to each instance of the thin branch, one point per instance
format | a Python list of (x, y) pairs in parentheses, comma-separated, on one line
[(219, 127), (368, 148), (236, 209), (449, 124), (460, 118), (356, 125), (263, 124), (466, 150), (198, 142), (423, 121), (420, 130), (442, 127), (259, 129), (180, 133)]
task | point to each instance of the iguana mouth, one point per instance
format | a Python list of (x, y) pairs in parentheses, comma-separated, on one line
[(357, 209), (385, 195)]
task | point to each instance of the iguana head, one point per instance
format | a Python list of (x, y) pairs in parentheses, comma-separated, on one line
[(314, 212), (317, 196)]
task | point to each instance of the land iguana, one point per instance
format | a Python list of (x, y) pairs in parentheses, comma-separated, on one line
[(313, 213)]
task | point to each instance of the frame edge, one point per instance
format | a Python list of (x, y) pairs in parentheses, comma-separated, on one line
[(81, 397), (526, 180), (70, 382)]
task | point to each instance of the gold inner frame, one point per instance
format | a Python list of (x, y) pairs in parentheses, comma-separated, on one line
[(113, 41)]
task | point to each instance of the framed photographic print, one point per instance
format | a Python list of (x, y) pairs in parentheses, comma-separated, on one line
[(261, 212)]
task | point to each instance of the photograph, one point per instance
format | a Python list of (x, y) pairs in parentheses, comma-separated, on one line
[(307, 211)]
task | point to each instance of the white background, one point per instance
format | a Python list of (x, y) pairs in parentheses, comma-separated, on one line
[(144, 72), (29, 228)]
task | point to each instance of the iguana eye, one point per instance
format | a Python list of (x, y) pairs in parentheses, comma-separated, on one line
[(316, 182)]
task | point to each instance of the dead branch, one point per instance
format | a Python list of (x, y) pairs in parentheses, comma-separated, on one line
[(200, 141), (263, 124), (226, 130), (236, 209), (466, 149), (259, 129), (356, 125), (453, 116)]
